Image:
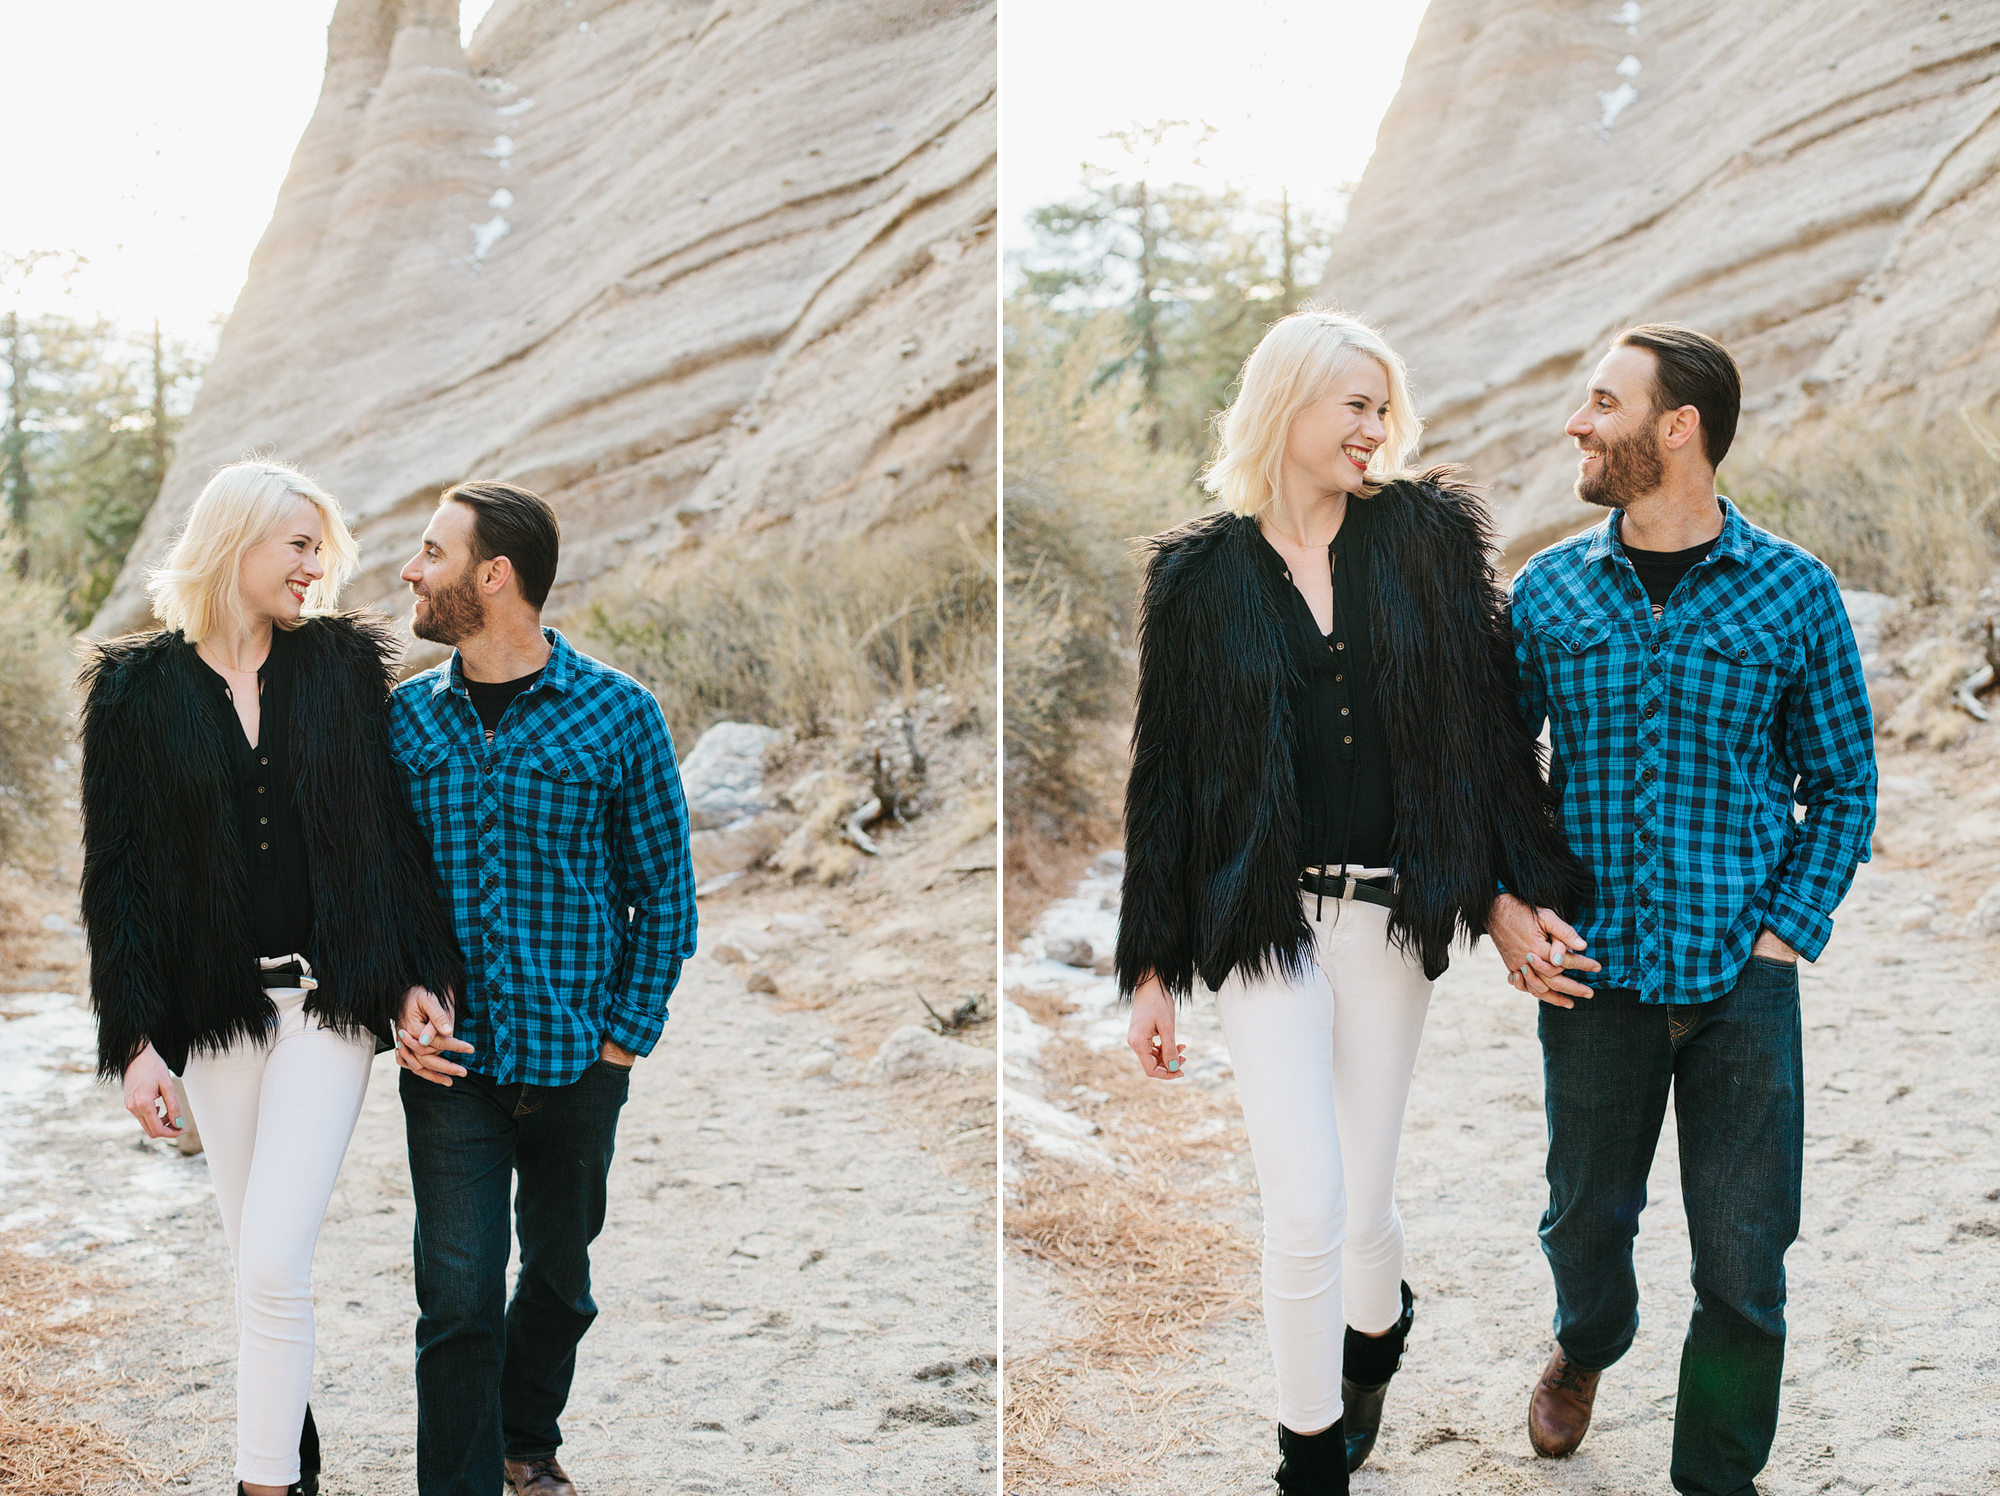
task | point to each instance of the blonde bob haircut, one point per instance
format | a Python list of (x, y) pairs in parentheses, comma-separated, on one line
[(1297, 361), (198, 589)]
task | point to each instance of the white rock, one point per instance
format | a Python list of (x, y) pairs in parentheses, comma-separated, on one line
[(1985, 916), (723, 779), (1070, 950), (740, 845), (1916, 917), (914, 1050), (815, 1062)]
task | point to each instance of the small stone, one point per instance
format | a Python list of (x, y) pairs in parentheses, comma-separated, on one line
[(761, 980), (1916, 917), (1104, 966), (817, 1062), (1070, 951), (913, 1050)]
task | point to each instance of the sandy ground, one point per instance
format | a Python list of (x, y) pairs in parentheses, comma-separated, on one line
[(1893, 1377), (796, 1280)]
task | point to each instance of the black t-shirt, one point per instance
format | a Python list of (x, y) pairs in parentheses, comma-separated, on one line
[(264, 793), (1660, 572), (491, 698), (1340, 754)]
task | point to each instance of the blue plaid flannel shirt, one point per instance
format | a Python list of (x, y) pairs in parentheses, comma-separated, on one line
[(561, 850), (1679, 747)]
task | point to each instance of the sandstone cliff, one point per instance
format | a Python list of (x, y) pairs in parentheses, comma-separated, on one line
[(714, 276), (1817, 184)]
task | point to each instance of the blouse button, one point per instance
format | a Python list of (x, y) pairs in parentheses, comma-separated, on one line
[(1340, 646), (1347, 740), (263, 846), (263, 760), (1343, 711), (263, 820), (260, 789), (1340, 677)]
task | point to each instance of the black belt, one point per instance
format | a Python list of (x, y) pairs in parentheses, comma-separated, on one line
[(1385, 892), (285, 971)]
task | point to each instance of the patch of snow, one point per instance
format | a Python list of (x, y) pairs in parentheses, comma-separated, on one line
[(503, 200), (1628, 16), (508, 111), (1629, 68), (501, 149), (1615, 103), (443, 72), (486, 235)]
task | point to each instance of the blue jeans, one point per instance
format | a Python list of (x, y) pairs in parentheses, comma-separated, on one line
[(1736, 1069), (492, 1376)]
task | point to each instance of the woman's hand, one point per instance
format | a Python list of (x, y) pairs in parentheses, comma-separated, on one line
[(1538, 946), (1152, 1033), (423, 1034), (148, 1081)]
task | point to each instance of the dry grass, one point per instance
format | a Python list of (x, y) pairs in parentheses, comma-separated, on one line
[(1140, 1265), (35, 671), (812, 644), (1917, 517), (50, 1314)]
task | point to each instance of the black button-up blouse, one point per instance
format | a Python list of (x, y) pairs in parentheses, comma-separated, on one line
[(267, 812), (1340, 755)]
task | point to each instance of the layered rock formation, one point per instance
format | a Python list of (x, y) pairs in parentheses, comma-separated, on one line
[(1817, 184), (715, 278)]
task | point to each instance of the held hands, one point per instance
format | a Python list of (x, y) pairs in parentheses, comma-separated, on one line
[(1538, 947), (149, 1095), (423, 1035), (1152, 1033)]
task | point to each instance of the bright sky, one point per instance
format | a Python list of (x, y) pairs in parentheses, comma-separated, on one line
[(151, 138), (1294, 88)]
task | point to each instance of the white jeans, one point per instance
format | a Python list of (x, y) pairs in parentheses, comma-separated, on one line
[(275, 1118), (1323, 1069)]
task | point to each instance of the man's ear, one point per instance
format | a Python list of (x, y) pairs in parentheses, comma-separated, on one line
[(1680, 427), (494, 575)]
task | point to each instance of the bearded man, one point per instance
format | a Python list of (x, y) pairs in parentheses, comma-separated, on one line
[(546, 782), (1698, 677)]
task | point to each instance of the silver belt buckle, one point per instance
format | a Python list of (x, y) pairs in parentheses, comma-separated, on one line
[(1347, 891)]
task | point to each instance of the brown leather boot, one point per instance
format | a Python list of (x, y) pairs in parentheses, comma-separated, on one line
[(1559, 1412), (541, 1476)]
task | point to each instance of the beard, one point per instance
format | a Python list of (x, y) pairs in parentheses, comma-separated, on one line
[(454, 613), (1627, 470)]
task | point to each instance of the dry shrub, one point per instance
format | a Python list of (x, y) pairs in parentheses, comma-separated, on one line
[(1081, 484), (49, 1316), (1913, 515), (35, 672), (811, 642)]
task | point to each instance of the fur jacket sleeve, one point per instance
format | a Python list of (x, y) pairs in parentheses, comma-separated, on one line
[(1211, 810), (165, 898)]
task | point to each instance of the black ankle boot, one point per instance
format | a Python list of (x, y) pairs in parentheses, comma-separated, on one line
[(1361, 1401), (1312, 1464)]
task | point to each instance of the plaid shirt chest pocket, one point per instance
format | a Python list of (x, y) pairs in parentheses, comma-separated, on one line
[(439, 776), (1734, 674), (564, 793), (1587, 671)]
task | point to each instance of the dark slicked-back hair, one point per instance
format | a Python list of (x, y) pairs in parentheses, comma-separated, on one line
[(1694, 370), (509, 521)]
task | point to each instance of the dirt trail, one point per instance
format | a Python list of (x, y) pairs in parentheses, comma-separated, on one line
[(795, 1280), (1892, 1382)]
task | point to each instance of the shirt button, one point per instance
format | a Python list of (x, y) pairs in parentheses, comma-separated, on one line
[(260, 789), (1340, 677), (1347, 740), (263, 760), (263, 820), (1343, 711), (1340, 646), (263, 846), (1646, 775), (1648, 709)]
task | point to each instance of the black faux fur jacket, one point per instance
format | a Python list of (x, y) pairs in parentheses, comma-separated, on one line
[(1211, 811), (166, 900)]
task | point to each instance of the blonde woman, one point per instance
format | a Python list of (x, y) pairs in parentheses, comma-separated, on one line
[(1329, 779), (258, 899)]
